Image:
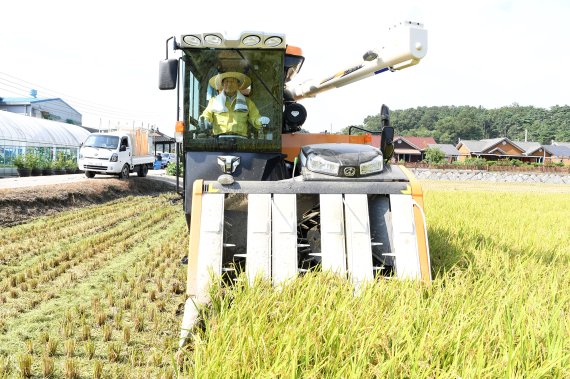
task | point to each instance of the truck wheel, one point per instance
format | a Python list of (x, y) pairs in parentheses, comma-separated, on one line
[(124, 172), (89, 174), (142, 171)]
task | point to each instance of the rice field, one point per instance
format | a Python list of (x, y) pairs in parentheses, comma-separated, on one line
[(94, 293)]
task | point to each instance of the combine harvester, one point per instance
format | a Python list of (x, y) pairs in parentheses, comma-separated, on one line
[(274, 202)]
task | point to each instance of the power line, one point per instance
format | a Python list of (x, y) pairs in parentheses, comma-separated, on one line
[(23, 91), (88, 108)]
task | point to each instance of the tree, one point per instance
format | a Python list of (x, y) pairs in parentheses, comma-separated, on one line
[(434, 155)]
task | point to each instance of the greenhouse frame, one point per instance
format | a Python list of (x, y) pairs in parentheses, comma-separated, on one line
[(44, 139)]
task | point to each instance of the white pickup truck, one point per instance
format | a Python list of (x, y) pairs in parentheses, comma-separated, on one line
[(118, 153)]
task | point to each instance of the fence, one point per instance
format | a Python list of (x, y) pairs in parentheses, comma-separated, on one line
[(541, 169)]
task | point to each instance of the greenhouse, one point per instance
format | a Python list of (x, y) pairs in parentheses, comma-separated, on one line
[(35, 143)]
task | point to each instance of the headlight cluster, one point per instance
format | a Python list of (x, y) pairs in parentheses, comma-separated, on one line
[(247, 39), (318, 164), (114, 157), (373, 166)]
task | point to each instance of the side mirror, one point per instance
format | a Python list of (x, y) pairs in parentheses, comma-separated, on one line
[(167, 74), (123, 148), (387, 138)]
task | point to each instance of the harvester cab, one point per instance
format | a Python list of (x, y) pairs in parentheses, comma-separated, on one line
[(263, 198)]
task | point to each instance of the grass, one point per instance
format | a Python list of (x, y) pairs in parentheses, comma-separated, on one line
[(95, 286), (499, 304)]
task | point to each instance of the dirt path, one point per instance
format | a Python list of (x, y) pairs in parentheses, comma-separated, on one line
[(21, 204)]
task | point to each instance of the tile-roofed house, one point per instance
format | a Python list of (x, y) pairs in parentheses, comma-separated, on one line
[(411, 149), (451, 153), (162, 142), (565, 144), (501, 148), (557, 153), (54, 109)]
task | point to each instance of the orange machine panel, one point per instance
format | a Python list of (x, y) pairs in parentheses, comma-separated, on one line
[(291, 143)]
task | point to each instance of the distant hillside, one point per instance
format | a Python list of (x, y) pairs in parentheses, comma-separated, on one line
[(447, 124)]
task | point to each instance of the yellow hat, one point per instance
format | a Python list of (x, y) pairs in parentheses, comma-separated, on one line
[(216, 80)]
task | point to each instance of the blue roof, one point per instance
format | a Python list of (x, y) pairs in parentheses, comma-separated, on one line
[(13, 100), (558, 151)]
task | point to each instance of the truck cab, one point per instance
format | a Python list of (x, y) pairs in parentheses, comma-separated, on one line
[(116, 153)]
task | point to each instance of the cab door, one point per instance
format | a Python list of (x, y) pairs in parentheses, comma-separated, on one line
[(125, 150)]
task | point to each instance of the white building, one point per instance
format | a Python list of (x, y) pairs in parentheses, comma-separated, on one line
[(54, 109)]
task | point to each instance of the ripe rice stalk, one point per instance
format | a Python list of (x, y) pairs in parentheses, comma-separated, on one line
[(66, 329), (85, 332), (135, 357), (161, 305), (80, 310), (68, 316), (89, 347), (71, 371), (152, 314), (97, 369), (155, 358), (51, 346), (44, 337), (5, 366), (48, 366), (95, 305), (69, 347), (107, 332), (138, 321), (127, 303), (30, 346), (156, 325), (110, 298), (114, 351), (177, 288), (126, 335), (25, 365), (119, 319), (101, 317)]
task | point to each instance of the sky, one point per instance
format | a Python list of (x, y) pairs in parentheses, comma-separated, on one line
[(102, 57)]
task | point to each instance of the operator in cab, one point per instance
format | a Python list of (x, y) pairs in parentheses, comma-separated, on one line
[(230, 111)]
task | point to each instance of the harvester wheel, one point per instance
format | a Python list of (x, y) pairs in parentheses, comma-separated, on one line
[(142, 171), (124, 174)]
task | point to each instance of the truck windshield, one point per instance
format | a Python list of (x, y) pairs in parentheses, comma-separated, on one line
[(100, 141), (220, 121)]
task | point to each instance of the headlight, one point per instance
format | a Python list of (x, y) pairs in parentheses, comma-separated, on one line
[(370, 167), (80, 155), (318, 164), (114, 157)]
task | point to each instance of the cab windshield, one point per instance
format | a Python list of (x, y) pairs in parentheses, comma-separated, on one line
[(249, 120), (102, 141)]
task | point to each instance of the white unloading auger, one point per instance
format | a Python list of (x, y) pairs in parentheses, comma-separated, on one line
[(407, 45)]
